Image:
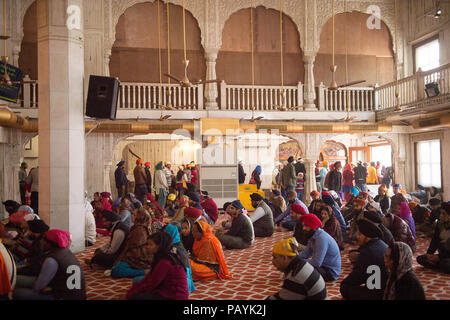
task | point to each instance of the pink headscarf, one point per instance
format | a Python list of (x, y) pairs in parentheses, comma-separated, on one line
[(61, 238), (405, 212), (106, 205)]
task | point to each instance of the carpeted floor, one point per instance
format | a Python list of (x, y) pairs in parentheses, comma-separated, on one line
[(254, 276)]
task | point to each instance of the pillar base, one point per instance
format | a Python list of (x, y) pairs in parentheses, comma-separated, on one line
[(310, 107), (211, 106)]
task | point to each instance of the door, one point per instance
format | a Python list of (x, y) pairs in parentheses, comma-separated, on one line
[(359, 154)]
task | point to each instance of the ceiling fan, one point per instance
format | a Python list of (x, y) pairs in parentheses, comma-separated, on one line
[(184, 82), (334, 86), (437, 12)]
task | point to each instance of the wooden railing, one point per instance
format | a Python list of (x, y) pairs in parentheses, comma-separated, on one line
[(412, 89), (150, 96), (265, 98), (356, 99)]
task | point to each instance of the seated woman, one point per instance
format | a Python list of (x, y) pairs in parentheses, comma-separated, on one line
[(186, 235), (277, 203), (207, 260), (135, 257), (405, 214), (182, 203), (181, 251), (125, 212), (331, 225), (167, 279), (402, 283)]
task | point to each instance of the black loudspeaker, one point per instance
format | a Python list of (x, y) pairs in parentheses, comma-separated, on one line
[(102, 97)]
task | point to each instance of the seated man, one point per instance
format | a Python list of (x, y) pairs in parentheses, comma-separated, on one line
[(371, 254), (285, 219), (262, 218), (321, 248), (297, 211), (301, 280), (420, 194), (171, 208), (241, 233), (57, 271), (439, 242), (209, 205), (106, 256)]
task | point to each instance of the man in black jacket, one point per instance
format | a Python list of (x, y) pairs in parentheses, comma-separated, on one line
[(241, 234), (367, 280), (361, 176), (149, 177), (121, 179), (335, 179), (241, 173)]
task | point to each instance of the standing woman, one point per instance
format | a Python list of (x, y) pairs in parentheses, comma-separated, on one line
[(167, 279), (256, 177), (402, 283), (347, 183), (161, 186)]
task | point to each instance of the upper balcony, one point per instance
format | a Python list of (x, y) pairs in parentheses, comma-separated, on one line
[(366, 104)]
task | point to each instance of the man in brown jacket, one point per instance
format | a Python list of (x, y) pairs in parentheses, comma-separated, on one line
[(140, 178)]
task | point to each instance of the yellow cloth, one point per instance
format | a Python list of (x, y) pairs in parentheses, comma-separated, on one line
[(372, 178), (284, 247)]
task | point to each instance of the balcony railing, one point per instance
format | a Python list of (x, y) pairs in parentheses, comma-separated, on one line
[(150, 96)]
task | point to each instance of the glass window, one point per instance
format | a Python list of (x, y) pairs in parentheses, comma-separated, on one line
[(429, 163), (382, 154), (427, 56)]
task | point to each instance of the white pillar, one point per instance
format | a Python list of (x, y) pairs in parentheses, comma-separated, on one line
[(310, 183), (106, 60), (211, 92), (310, 90), (61, 120)]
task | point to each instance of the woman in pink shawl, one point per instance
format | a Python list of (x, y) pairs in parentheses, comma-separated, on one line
[(347, 181), (405, 214)]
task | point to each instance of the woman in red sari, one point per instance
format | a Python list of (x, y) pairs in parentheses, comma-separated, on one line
[(207, 260)]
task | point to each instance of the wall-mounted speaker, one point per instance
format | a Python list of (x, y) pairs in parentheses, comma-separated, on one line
[(103, 95)]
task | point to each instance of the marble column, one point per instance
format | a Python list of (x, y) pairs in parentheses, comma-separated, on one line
[(61, 120), (211, 91), (310, 183), (310, 90), (106, 59)]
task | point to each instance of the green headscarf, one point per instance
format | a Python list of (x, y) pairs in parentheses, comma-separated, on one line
[(159, 166)]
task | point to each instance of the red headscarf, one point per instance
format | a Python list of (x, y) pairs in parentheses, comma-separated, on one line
[(106, 205), (192, 213), (348, 166)]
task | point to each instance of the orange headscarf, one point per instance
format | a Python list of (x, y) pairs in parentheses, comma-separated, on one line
[(216, 247)]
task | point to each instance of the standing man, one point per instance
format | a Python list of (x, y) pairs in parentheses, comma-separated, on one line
[(33, 181), (140, 178), (169, 173), (149, 177), (121, 179), (300, 167), (241, 173), (289, 176), (22, 181), (323, 174), (335, 179), (360, 177)]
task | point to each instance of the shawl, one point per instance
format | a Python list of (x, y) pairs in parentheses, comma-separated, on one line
[(106, 205), (209, 249), (158, 212), (404, 265), (405, 214)]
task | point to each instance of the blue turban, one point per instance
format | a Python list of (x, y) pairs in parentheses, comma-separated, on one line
[(355, 191), (237, 204)]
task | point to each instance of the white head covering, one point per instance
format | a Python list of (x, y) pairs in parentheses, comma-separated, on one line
[(31, 217)]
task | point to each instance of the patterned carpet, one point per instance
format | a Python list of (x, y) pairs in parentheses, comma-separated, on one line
[(254, 277)]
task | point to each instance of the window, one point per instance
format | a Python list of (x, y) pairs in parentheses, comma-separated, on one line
[(427, 55), (383, 154), (428, 158)]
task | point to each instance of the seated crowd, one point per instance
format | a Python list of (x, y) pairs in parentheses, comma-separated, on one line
[(167, 241)]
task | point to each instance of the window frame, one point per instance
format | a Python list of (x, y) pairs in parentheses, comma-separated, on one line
[(422, 43), (416, 161)]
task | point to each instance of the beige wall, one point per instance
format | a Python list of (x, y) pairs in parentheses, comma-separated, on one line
[(234, 59), (370, 55)]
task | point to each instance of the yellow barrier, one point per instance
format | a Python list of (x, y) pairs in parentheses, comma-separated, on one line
[(245, 190)]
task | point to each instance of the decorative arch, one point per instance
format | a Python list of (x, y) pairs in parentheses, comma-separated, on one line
[(233, 59), (135, 53), (115, 8), (292, 9), (386, 13), (371, 54), (28, 54)]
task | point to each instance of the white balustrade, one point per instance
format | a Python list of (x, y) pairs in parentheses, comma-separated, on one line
[(353, 98)]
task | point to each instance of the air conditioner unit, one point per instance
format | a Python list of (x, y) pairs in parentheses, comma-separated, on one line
[(221, 182)]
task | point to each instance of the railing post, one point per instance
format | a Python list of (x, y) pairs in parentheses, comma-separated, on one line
[(420, 84), (321, 99), (299, 94), (375, 97), (200, 96), (27, 92)]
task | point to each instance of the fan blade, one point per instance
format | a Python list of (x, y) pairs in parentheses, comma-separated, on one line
[(351, 83), (134, 154), (173, 78)]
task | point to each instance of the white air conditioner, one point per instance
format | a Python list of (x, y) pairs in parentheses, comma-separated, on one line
[(221, 182)]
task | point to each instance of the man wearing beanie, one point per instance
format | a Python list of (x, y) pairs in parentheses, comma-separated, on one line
[(106, 256), (241, 233), (262, 218), (301, 280), (371, 253), (322, 250)]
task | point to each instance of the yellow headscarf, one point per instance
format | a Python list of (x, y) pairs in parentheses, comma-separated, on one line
[(284, 247)]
